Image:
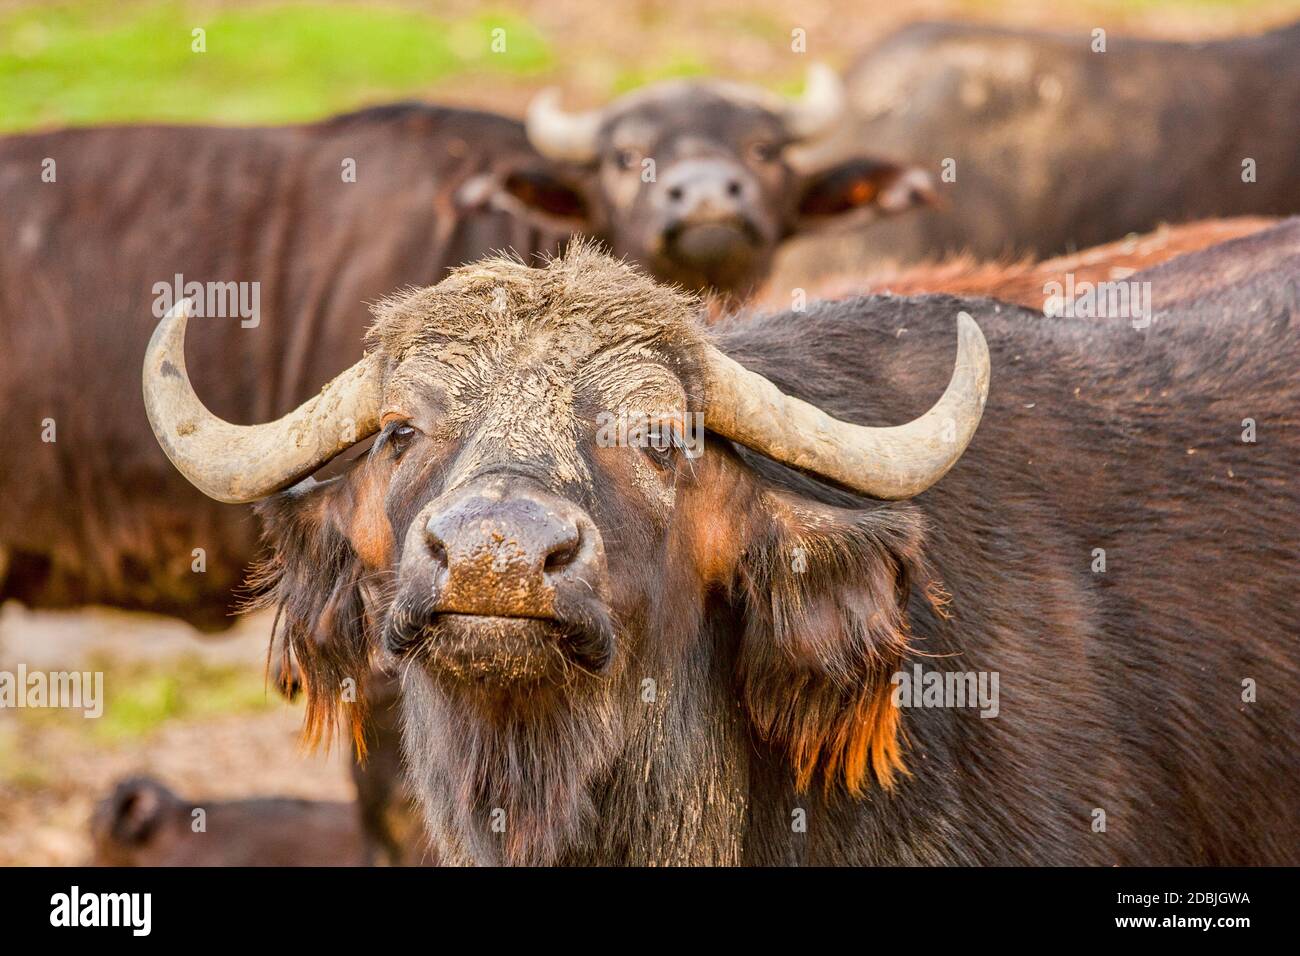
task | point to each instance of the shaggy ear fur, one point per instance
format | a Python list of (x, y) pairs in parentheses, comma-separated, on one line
[(313, 576), (551, 196), (826, 628)]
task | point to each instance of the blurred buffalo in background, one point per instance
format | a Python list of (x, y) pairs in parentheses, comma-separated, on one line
[(143, 823), (1043, 143)]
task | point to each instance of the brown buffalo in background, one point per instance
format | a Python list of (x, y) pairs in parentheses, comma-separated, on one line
[(700, 181)]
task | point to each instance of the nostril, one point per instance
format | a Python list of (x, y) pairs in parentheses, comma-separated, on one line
[(675, 193), (437, 550), (562, 556), (733, 188)]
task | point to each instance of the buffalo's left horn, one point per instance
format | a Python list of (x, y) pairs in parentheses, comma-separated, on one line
[(559, 135), (820, 106), (242, 463), (891, 463)]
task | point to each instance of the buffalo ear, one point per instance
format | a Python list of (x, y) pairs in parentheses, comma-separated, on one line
[(543, 192), (826, 628), (553, 197), (862, 189), (311, 573)]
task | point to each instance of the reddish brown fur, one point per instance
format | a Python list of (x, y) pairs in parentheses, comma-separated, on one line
[(1022, 281), (823, 691)]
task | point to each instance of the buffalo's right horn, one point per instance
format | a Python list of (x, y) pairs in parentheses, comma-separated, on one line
[(242, 463), (560, 135)]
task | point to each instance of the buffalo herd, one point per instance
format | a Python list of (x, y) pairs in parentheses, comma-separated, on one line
[(603, 545)]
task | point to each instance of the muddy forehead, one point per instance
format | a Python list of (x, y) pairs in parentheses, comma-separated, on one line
[(581, 304), (517, 359), (588, 322), (533, 374)]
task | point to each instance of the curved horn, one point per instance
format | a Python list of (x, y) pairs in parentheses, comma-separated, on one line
[(820, 106), (560, 135), (891, 463), (242, 463)]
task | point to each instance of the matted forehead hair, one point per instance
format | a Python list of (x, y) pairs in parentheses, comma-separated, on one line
[(593, 302)]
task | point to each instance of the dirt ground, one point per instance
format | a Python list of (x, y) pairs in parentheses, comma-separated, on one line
[(240, 741)]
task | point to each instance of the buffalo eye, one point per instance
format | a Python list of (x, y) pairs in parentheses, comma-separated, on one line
[(661, 445), (624, 158), (395, 437), (765, 151)]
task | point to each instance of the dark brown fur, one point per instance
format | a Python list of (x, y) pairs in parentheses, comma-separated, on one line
[(1121, 691)]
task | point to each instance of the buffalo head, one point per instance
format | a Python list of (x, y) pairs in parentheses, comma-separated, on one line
[(571, 494), (700, 181)]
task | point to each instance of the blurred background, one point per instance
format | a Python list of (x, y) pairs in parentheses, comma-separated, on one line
[(197, 711)]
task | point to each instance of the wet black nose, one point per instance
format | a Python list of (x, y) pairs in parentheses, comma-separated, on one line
[(506, 551)]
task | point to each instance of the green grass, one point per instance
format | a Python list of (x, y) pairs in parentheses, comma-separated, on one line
[(81, 62)]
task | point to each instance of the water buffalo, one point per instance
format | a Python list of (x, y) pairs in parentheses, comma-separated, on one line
[(700, 181), (143, 823), (656, 599), (1055, 145)]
